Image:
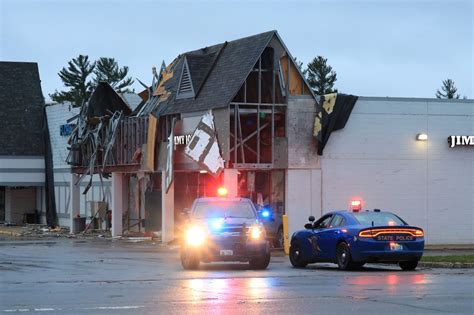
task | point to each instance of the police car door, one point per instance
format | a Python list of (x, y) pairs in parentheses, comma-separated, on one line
[(318, 238), (328, 237)]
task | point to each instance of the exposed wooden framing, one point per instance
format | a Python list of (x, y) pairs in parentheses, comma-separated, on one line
[(251, 135), (273, 108), (288, 69), (253, 165), (245, 91), (235, 133), (247, 146), (258, 104), (240, 135)]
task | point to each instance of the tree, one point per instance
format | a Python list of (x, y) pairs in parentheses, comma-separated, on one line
[(107, 69), (299, 64), (75, 76), (321, 77), (449, 90)]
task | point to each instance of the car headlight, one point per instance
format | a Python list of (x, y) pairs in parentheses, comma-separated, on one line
[(256, 232), (195, 236)]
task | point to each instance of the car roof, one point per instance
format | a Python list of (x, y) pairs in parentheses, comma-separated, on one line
[(362, 211), (237, 199)]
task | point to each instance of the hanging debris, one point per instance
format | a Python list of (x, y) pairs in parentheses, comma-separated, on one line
[(332, 113), (95, 134), (204, 147)]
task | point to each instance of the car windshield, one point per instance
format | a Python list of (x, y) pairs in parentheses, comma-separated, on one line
[(229, 209), (378, 219)]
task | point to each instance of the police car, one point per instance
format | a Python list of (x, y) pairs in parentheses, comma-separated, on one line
[(352, 239), (224, 229)]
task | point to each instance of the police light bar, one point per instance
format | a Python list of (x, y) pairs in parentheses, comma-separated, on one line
[(356, 205)]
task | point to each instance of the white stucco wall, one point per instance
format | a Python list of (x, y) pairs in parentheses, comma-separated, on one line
[(21, 171), (376, 158)]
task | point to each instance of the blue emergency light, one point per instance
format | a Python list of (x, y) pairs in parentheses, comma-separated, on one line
[(217, 224)]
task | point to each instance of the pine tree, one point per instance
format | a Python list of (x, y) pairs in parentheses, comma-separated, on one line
[(75, 77), (449, 90), (299, 64), (108, 70), (321, 77)]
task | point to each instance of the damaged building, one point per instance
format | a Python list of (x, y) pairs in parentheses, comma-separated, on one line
[(250, 87), (240, 114)]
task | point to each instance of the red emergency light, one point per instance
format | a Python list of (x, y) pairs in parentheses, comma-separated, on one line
[(356, 205), (222, 191)]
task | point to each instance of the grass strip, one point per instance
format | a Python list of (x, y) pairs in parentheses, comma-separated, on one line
[(449, 258)]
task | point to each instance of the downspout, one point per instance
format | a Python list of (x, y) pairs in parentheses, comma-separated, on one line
[(51, 214)]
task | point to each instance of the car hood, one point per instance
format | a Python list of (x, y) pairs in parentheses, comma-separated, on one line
[(231, 222)]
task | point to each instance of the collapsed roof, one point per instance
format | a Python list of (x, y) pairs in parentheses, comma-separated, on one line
[(206, 78)]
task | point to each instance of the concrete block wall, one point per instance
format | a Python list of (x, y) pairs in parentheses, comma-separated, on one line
[(376, 158), (303, 197), (301, 143), (303, 176)]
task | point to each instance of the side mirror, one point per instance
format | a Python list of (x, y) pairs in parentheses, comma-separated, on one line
[(308, 226), (311, 218)]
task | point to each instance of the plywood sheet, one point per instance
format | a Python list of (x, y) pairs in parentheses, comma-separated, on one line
[(151, 140)]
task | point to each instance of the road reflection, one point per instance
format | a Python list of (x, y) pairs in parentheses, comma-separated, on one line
[(391, 283), (225, 288)]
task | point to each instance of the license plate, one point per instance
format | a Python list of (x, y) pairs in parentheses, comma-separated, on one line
[(226, 252), (396, 247)]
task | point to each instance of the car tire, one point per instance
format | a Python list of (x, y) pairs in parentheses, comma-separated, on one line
[(260, 263), (408, 265), (296, 258), (344, 257), (189, 261), (278, 241)]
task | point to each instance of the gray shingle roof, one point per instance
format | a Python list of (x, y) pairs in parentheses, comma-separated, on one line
[(220, 69), (21, 109)]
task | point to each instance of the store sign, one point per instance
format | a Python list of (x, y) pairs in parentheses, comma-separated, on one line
[(66, 129), (183, 139), (460, 141)]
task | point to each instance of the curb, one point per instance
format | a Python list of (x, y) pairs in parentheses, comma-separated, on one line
[(451, 265), (9, 233)]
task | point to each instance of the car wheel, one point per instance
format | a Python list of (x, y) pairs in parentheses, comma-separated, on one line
[(296, 257), (279, 241), (189, 261), (408, 265), (344, 258), (260, 262)]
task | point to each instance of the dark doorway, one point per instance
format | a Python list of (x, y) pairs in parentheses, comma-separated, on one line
[(2, 204)]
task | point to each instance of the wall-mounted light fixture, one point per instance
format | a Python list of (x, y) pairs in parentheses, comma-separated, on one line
[(421, 137)]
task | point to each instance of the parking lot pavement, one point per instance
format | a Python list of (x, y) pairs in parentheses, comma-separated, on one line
[(63, 276)]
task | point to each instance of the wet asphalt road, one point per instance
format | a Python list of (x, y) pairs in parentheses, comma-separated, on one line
[(71, 276)]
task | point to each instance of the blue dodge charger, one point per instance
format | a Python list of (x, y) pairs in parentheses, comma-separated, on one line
[(351, 239)]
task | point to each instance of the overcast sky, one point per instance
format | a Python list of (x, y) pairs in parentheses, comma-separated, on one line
[(378, 48)]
